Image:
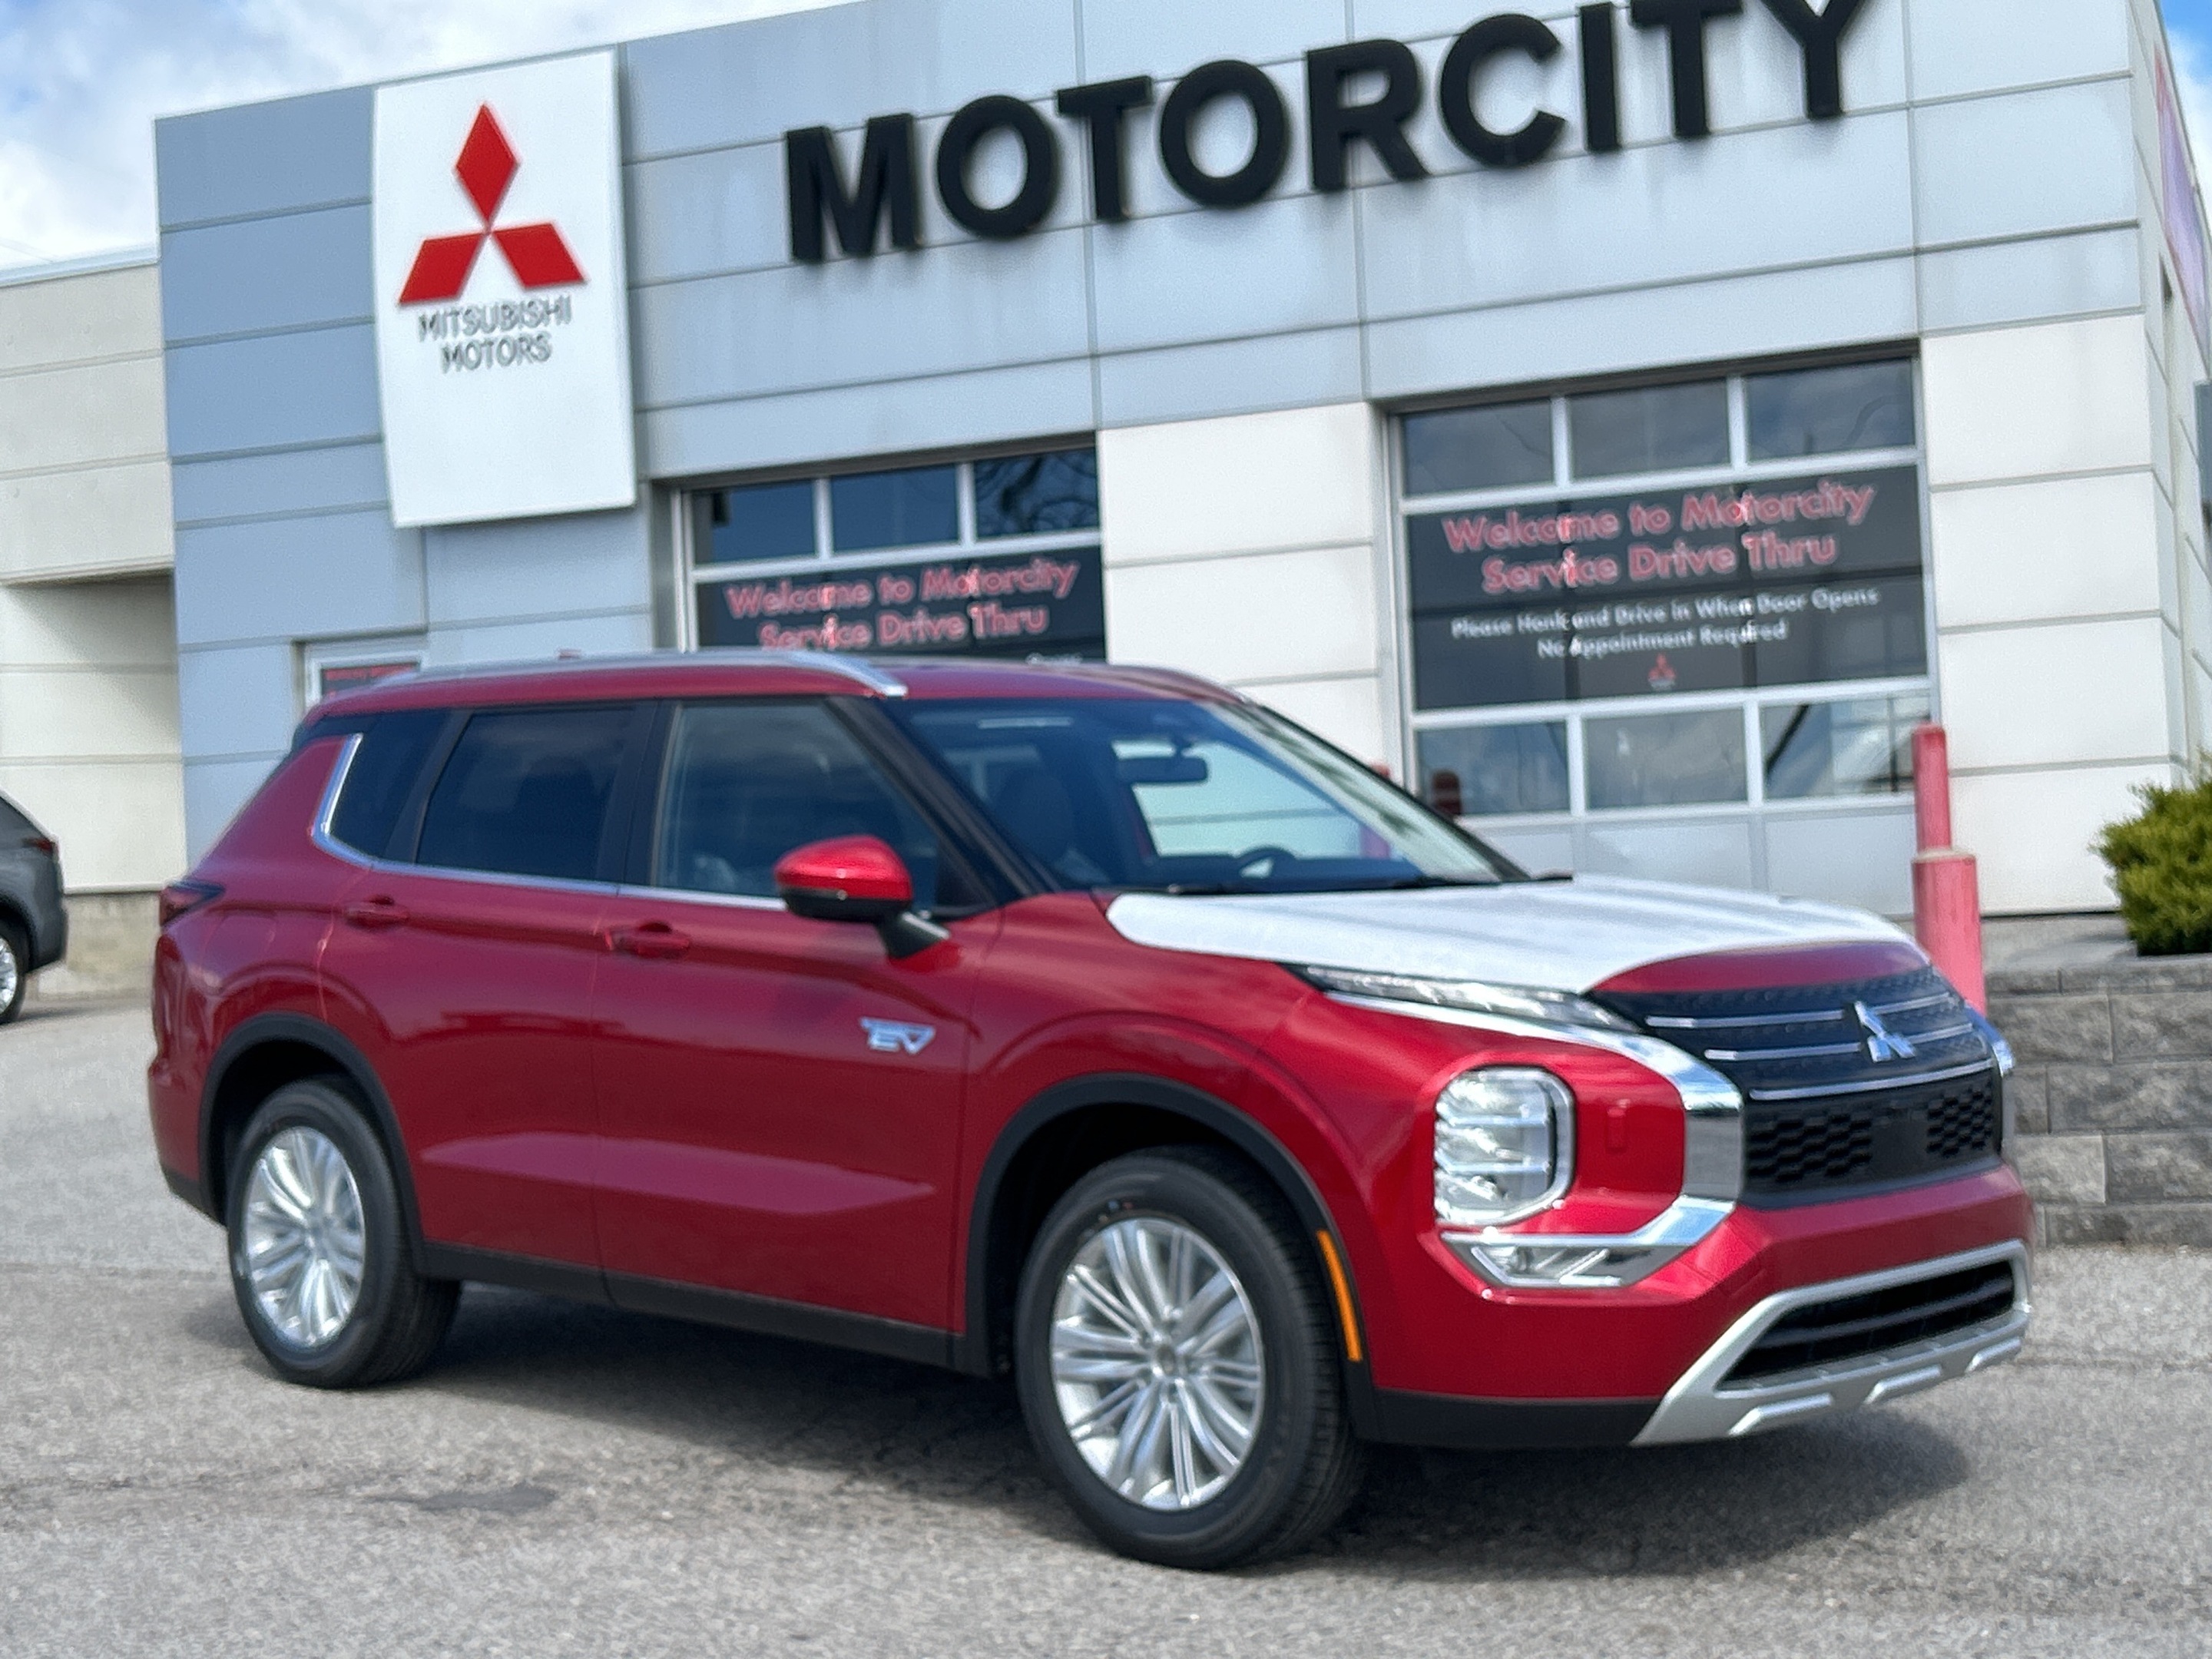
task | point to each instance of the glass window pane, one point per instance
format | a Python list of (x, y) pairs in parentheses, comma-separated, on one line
[(916, 509), (1820, 750), (1037, 494), (1491, 771), (1824, 412), (1688, 759), (761, 521), (1661, 428), (382, 776), (750, 782), (524, 793), (1479, 448), (1153, 794)]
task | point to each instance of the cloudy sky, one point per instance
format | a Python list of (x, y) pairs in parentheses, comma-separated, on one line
[(82, 80)]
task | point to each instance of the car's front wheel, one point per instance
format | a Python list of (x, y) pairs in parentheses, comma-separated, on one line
[(319, 1256), (1177, 1363)]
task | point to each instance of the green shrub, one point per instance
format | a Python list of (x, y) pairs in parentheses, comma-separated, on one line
[(2162, 865)]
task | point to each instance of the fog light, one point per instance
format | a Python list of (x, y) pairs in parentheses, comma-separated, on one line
[(1504, 1146)]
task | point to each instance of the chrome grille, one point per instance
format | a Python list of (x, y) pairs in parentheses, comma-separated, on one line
[(1854, 1086)]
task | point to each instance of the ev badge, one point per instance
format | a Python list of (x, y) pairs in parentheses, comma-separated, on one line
[(1882, 1043), (887, 1036)]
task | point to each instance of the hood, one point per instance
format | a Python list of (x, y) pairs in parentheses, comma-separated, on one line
[(1555, 936)]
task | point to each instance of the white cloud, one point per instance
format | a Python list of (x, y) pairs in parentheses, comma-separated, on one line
[(82, 81)]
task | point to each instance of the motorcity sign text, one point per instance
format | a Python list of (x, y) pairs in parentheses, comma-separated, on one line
[(1361, 94), (1045, 603)]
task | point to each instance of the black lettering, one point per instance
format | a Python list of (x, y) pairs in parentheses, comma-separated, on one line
[(1040, 168), (1685, 23), (1512, 32), (1103, 108), (1270, 143), (886, 186), (1379, 124), (1820, 38), (1600, 31)]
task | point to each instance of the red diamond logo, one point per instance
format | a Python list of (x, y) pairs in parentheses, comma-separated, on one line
[(535, 254)]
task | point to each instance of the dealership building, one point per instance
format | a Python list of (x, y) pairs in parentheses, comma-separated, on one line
[(1625, 423)]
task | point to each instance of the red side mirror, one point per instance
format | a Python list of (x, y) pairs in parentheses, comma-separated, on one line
[(852, 879), (856, 878)]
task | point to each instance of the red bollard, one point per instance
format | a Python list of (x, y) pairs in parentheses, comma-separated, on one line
[(1946, 888)]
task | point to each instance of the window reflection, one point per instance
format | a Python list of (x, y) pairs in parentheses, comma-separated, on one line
[(1037, 494), (1688, 759), (1824, 750), (1826, 411), (1496, 771), (918, 508), (761, 521), (1479, 448), (1660, 429)]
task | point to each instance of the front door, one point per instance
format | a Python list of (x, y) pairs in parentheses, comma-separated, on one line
[(779, 1100), (462, 967)]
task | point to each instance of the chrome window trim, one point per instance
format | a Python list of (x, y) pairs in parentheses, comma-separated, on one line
[(328, 843), (1712, 1150), (687, 896), (1697, 1408)]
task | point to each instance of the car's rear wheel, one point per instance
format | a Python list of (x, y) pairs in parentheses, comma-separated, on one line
[(14, 970), (1177, 1363), (319, 1255)]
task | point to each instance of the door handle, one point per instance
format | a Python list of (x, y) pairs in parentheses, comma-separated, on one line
[(652, 941), (376, 914)]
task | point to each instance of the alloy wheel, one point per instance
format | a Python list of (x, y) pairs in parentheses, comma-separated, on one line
[(1157, 1363), (304, 1242)]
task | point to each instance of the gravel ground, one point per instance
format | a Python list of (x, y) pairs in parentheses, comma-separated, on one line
[(571, 1481)]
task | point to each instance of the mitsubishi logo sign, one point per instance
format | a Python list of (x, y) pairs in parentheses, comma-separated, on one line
[(503, 350), (1882, 1043), (535, 254)]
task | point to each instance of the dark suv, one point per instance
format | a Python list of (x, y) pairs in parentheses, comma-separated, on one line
[(33, 927)]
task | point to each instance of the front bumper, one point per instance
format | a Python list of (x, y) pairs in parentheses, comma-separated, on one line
[(1705, 1405)]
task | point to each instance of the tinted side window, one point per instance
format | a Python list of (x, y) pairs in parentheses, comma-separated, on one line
[(383, 774), (12, 824), (525, 794), (747, 783)]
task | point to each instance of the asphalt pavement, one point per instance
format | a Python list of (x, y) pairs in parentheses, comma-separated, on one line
[(571, 1481)]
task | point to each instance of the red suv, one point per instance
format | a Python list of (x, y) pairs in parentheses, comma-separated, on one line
[(1095, 1027)]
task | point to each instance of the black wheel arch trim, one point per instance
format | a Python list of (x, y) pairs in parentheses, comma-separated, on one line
[(972, 1349), (345, 1060)]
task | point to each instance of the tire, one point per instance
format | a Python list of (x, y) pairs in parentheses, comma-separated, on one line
[(15, 971), (1300, 1465), (309, 1151)]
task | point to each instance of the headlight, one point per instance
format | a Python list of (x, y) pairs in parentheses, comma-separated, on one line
[(1504, 1146), (1510, 1001)]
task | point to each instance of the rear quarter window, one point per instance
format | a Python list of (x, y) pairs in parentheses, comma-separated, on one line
[(385, 769)]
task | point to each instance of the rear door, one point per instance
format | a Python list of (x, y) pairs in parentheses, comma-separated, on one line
[(780, 1101), (463, 961)]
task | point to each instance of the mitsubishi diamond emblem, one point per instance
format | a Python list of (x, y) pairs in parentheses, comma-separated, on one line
[(1882, 1043), (888, 1036)]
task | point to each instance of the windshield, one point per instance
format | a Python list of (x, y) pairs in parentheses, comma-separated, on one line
[(1190, 798)]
